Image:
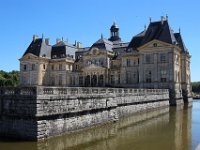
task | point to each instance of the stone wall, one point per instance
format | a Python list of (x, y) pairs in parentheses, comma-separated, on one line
[(40, 112)]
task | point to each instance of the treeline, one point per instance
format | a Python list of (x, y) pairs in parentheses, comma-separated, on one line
[(196, 87), (9, 78)]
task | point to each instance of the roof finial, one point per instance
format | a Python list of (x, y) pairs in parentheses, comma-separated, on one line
[(179, 29), (101, 36), (166, 17), (114, 23), (145, 27), (150, 19), (62, 39)]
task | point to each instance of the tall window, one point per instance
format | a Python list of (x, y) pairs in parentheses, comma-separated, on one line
[(163, 76), (134, 75), (60, 79), (52, 67), (134, 62), (128, 62), (76, 67), (148, 76), (60, 67), (25, 67), (119, 78), (81, 81), (33, 66), (128, 77), (163, 58), (44, 66), (112, 80), (52, 81), (148, 58)]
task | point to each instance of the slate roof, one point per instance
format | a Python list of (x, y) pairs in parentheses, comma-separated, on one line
[(39, 48), (159, 31), (103, 44), (62, 50), (180, 42), (59, 50), (136, 40), (155, 31)]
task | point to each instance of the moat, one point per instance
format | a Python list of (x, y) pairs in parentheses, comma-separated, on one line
[(178, 129)]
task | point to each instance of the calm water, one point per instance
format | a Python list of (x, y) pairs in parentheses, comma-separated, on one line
[(168, 129)]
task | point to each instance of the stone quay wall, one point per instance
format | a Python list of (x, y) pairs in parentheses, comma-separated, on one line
[(34, 113)]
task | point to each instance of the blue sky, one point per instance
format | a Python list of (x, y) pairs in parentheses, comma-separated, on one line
[(85, 20)]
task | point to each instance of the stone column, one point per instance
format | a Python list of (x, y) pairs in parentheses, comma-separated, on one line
[(97, 79), (90, 79)]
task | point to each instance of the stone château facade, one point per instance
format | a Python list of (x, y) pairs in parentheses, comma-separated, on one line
[(155, 58)]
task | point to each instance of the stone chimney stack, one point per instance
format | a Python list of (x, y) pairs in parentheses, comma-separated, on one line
[(162, 19), (167, 17), (79, 45), (35, 37), (58, 40), (47, 41), (149, 19)]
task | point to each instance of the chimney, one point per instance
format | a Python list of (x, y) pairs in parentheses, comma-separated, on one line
[(47, 41), (101, 36), (57, 40), (35, 37), (167, 17), (162, 19), (79, 45)]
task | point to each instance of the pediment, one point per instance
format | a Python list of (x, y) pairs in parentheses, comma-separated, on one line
[(28, 56), (154, 45)]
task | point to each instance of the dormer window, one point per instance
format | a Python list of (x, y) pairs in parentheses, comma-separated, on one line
[(54, 56), (43, 55), (63, 55)]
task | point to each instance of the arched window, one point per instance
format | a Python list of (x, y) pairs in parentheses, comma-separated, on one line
[(87, 80)]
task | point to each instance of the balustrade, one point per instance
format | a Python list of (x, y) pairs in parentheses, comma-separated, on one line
[(40, 90)]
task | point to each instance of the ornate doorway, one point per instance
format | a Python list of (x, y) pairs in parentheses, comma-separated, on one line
[(101, 80)]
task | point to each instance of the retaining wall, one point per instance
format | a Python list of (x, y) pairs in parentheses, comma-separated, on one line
[(40, 112)]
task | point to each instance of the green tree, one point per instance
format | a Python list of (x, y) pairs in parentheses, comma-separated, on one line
[(196, 87), (9, 78)]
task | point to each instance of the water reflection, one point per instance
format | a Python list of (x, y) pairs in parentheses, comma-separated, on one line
[(166, 129), (196, 126)]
